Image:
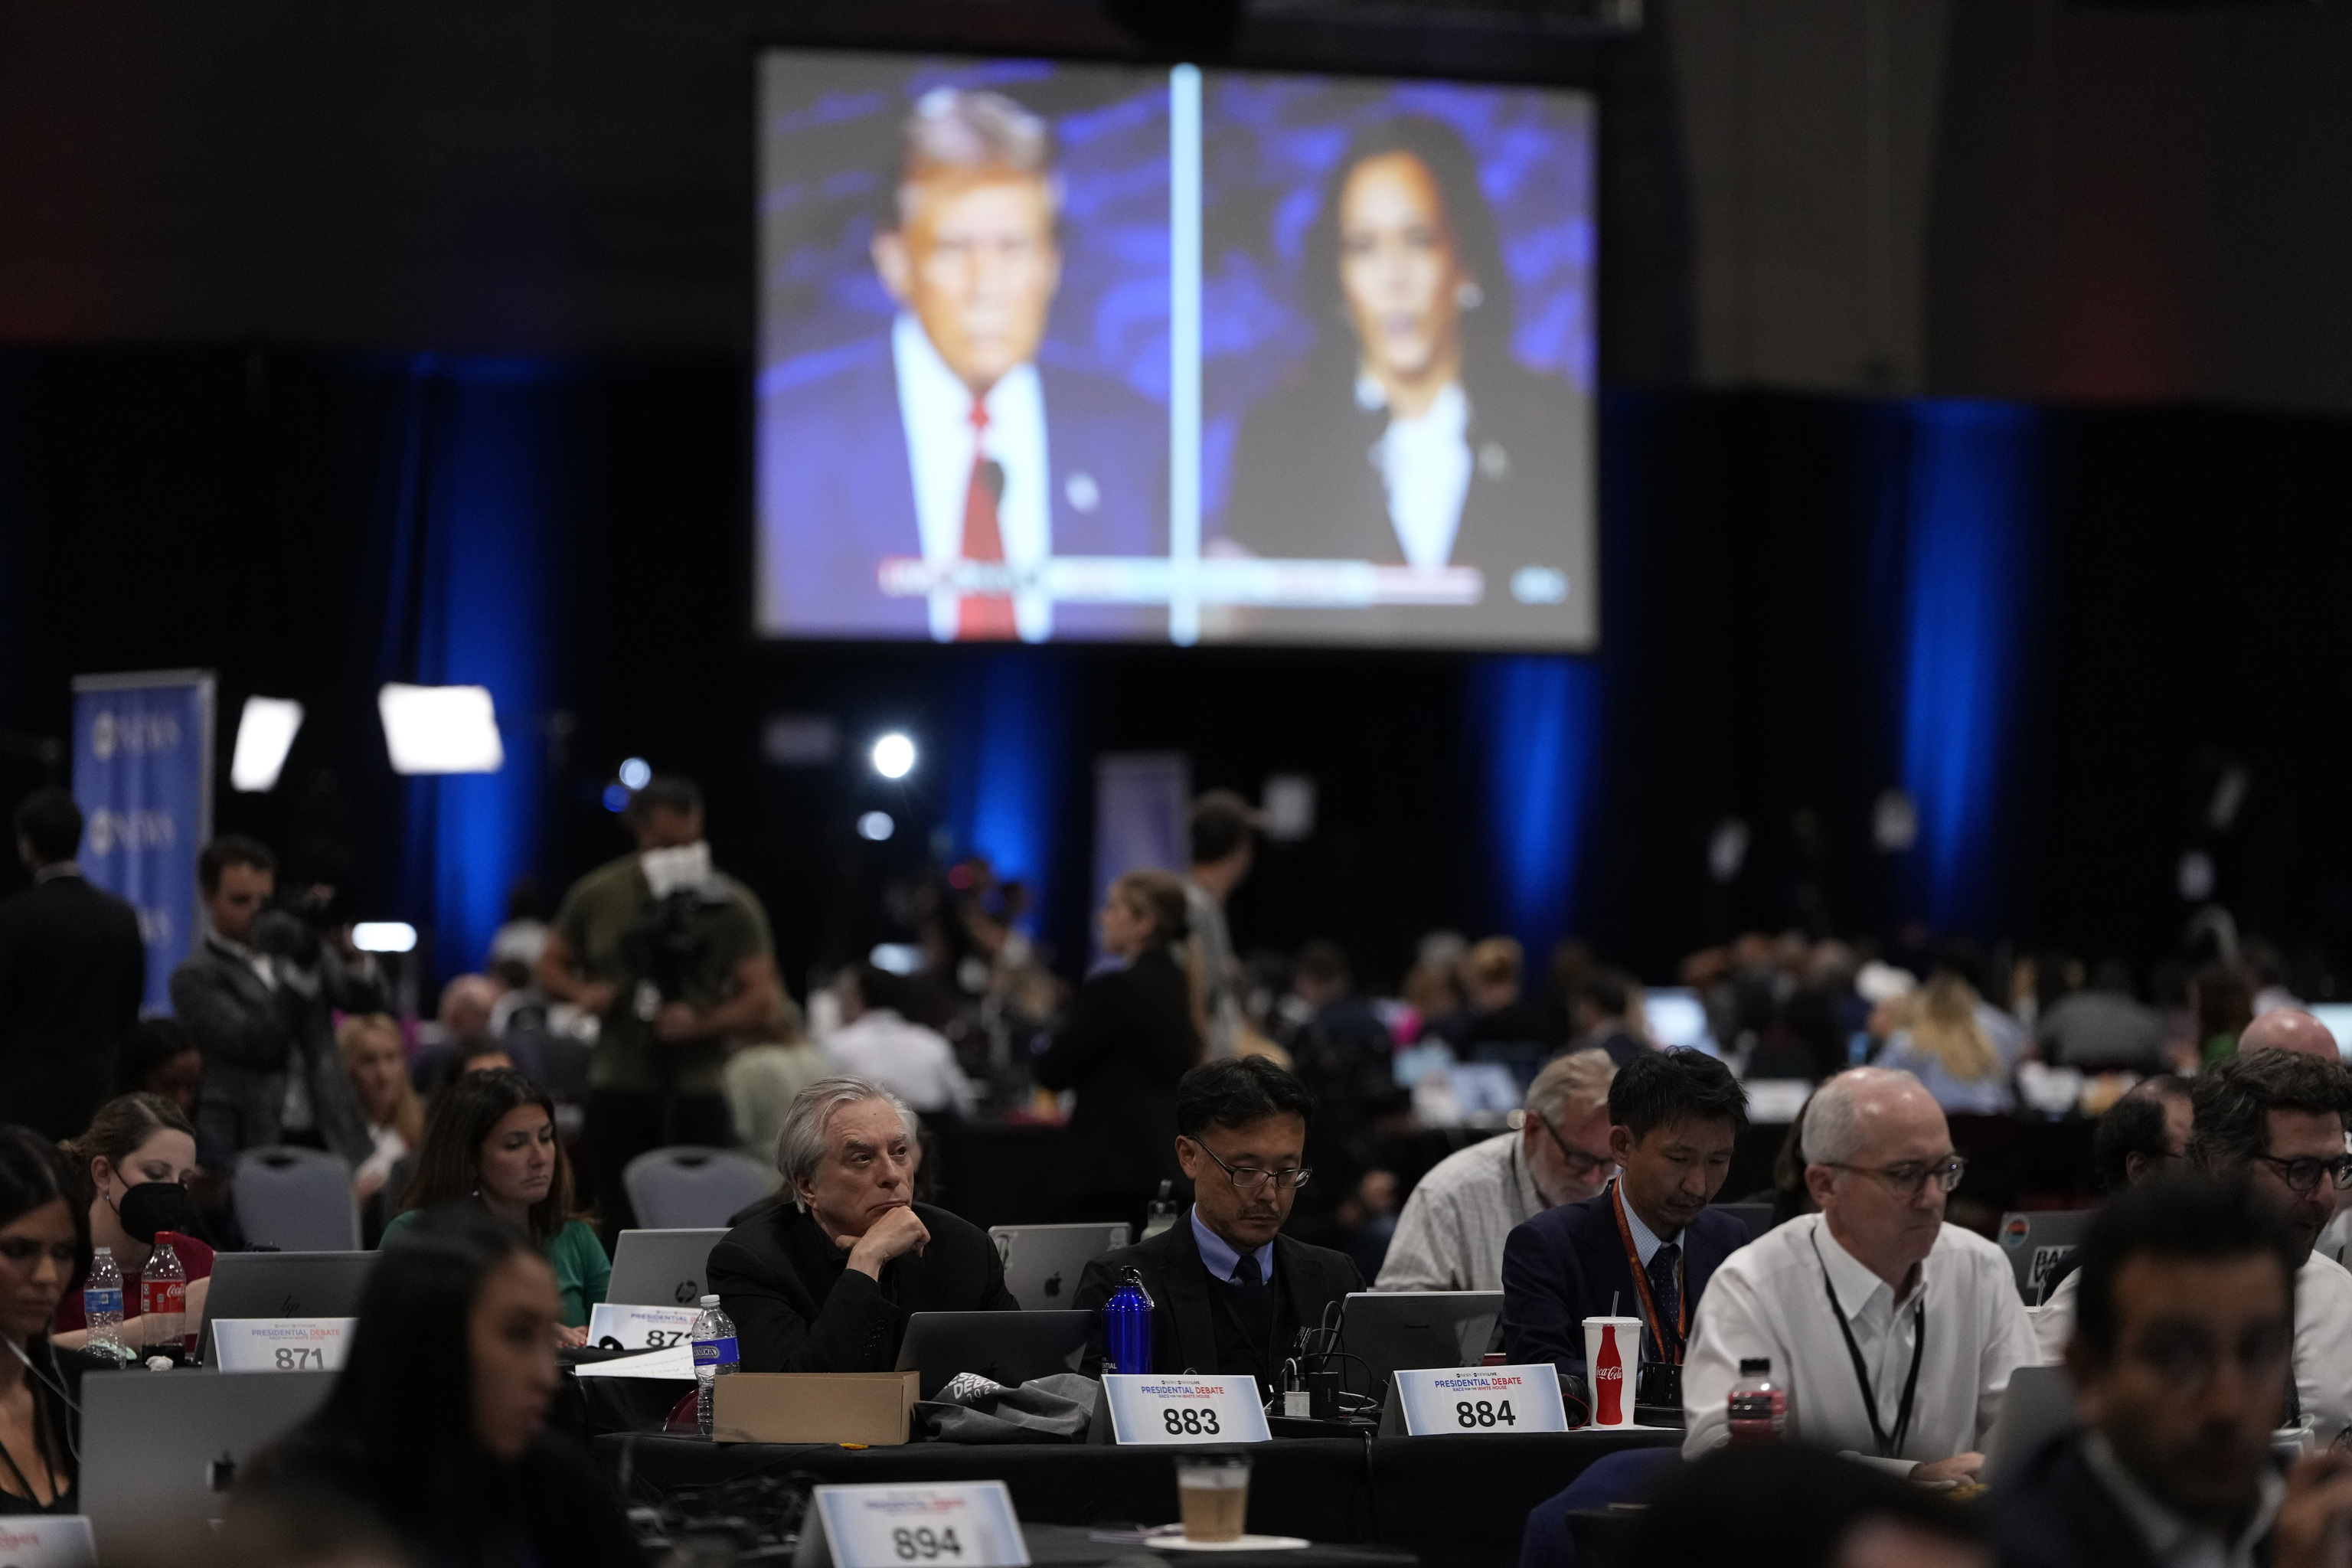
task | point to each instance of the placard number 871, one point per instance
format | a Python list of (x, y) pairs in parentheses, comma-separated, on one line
[(1484, 1413), (923, 1545)]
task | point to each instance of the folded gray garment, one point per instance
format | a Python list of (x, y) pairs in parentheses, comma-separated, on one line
[(972, 1409)]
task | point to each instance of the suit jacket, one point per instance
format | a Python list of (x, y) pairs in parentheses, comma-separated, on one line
[(797, 1305), (1566, 1264), (253, 1036), (1183, 1331), (837, 493), (73, 972), (2054, 1511), (1127, 1041)]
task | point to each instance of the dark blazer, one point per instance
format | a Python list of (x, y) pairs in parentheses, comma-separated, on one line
[(1303, 488), (1183, 1331), (2054, 1511), (1565, 1265), (72, 975), (838, 492), (799, 1307), (1127, 1041)]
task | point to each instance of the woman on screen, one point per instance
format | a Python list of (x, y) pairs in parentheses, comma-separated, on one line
[(1411, 437)]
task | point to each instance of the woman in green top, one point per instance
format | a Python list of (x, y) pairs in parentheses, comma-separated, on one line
[(490, 1137)]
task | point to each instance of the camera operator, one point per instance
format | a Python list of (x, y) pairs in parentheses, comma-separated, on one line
[(672, 955), (259, 994)]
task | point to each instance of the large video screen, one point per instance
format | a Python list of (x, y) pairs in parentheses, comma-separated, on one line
[(1055, 352)]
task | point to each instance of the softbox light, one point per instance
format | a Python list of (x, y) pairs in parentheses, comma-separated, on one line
[(440, 729), (265, 733)]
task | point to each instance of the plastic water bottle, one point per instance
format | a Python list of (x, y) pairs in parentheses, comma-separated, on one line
[(1127, 1328), (164, 1299), (714, 1357), (102, 1305), (1758, 1407)]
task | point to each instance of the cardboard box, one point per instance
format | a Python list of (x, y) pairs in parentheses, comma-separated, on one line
[(875, 1407)]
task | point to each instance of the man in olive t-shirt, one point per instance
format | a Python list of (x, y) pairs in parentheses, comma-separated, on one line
[(670, 970)]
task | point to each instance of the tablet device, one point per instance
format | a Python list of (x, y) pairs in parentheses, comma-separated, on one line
[(661, 1268), (283, 1285), (1042, 1262), (1009, 1348)]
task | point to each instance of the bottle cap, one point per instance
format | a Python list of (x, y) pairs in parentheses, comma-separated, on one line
[(165, 1237), (1754, 1364), (103, 1252), (711, 1300)]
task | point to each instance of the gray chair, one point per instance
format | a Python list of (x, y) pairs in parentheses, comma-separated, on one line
[(296, 1200), (690, 1188)]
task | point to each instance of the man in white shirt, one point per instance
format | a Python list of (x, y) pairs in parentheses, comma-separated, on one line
[(1451, 1235), (878, 1041), (2277, 1118), (1895, 1333)]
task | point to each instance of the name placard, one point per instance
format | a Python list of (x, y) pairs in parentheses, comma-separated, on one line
[(1158, 1411), (1475, 1400), (281, 1345), (30, 1542), (612, 1327), (954, 1524)]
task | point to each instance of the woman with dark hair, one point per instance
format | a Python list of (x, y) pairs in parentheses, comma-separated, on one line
[(490, 1142), (158, 1056), (139, 1157), (1411, 436), (44, 1253), (437, 1422), (1130, 1035)]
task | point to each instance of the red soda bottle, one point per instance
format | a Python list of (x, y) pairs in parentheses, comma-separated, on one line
[(1758, 1407), (163, 1300), (1609, 1381)]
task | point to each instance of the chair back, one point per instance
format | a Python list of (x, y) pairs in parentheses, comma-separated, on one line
[(296, 1200), (690, 1188)]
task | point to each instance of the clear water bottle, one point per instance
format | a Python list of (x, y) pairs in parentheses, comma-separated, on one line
[(714, 1357), (102, 1305), (1127, 1327), (164, 1299), (1758, 1405)]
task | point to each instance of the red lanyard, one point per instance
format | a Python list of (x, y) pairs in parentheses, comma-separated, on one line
[(1641, 1283)]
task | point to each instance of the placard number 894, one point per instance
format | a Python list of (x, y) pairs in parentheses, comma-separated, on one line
[(1484, 1413), (922, 1545), (1189, 1422)]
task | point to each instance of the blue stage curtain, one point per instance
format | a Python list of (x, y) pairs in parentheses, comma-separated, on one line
[(1007, 727), (1537, 722)]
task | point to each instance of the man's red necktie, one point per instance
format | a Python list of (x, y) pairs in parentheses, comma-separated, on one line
[(983, 618)]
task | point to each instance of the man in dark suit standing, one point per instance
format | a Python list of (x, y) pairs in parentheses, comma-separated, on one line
[(73, 972), (1647, 1245), (1229, 1292), (2182, 1361)]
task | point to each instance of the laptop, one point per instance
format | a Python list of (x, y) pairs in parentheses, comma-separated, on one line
[(160, 1450), (283, 1285), (1756, 1218), (2038, 1246), (1387, 1329), (661, 1268), (1009, 1348), (1042, 1262), (2039, 1406)]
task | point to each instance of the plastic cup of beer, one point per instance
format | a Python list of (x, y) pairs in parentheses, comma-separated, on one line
[(1212, 1493), (1612, 1359)]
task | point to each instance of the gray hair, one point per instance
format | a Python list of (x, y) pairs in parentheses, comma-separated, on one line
[(1836, 1128), (1579, 1075), (801, 1145), (954, 128)]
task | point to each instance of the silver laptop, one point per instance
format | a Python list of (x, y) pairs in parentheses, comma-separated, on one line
[(161, 1449), (1389, 1330), (283, 1285), (2039, 1406), (1009, 1348), (2038, 1243), (661, 1268), (1042, 1262)]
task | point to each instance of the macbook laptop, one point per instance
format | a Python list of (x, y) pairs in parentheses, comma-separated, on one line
[(1042, 1262), (1009, 1348), (661, 1268), (161, 1449), (2038, 1243), (2039, 1406), (283, 1285)]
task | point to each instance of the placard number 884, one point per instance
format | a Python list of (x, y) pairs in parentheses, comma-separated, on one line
[(1484, 1413), (1189, 1422), (914, 1545)]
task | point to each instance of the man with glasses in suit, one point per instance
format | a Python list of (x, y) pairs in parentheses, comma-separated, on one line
[(2278, 1118)]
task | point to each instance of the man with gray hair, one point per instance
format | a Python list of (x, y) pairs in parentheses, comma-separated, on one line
[(1893, 1332), (1451, 1235), (825, 1281), (954, 448)]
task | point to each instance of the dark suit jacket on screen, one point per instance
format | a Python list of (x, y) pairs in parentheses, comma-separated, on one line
[(1183, 1328), (1565, 1265), (799, 1307), (837, 493), (73, 972)]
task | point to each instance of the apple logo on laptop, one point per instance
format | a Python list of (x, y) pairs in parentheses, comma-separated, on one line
[(1054, 1284)]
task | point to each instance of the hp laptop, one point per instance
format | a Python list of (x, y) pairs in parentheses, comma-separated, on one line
[(283, 1285), (661, 1268), (1042, 1262)]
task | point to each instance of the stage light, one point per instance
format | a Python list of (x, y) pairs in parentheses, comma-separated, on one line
[(617, 799), (440, 729), (895, 957), (636, 773), (385, 936), (265, 733), (894, 756), (876, 826)]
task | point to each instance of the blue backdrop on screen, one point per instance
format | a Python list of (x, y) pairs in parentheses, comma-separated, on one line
[(141, 775)]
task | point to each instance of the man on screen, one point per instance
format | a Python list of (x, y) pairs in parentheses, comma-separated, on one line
[(950, 440)]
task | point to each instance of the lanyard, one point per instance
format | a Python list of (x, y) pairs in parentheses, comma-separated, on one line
[(1887, 1448), (1642, 1286)]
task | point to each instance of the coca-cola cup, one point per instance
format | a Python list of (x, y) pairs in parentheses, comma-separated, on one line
[(1613, 1357)]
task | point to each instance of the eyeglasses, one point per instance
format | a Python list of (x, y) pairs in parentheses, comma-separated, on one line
[(2304, 1175), (1580, 1163), (1908, 1178), (1250, 1179), (2186, 1356)]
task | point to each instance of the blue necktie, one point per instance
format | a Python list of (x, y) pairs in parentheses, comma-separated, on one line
[(1666, 1291)]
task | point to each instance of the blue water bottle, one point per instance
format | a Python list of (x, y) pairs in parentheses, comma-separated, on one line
[(1127, 1327)]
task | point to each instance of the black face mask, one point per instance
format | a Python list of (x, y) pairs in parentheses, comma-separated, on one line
[(152, 1207)]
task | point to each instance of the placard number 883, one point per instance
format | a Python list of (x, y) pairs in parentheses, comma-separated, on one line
[(1484, 1413), (1189, 1422)]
